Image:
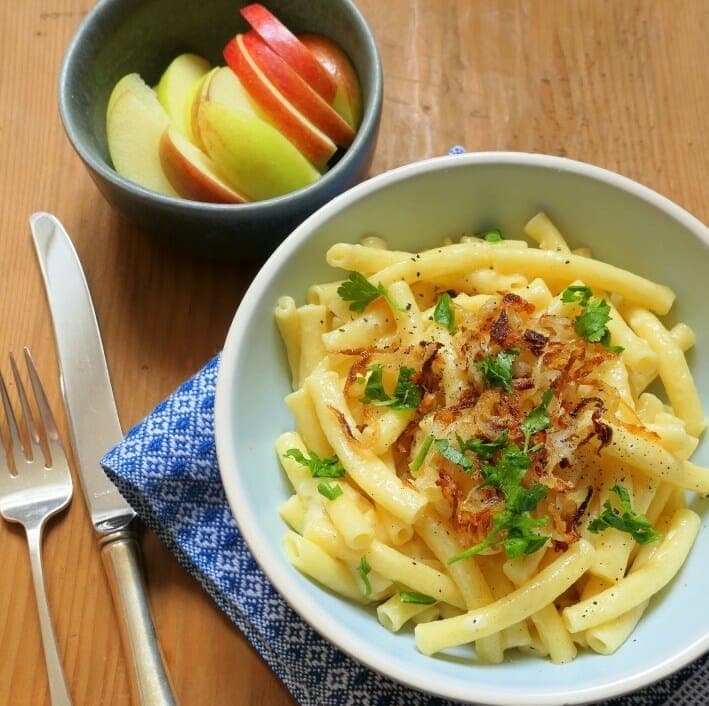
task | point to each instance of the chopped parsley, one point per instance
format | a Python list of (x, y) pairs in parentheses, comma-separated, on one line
[(484, 450), (447, 450), (421, 455), (577, 293), (506, 476), (414, 596), (537, 419), (374, 392), (636, 525), (491, 236), (407, 394), (358, 290), (592, 323), (319, 467), (497, 370), (329, 490), (363, 570), (512, 528), (443, 314)]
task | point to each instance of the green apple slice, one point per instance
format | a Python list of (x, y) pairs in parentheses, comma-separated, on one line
[(134, 127), (133, 82), (174, 89), (253, 155)]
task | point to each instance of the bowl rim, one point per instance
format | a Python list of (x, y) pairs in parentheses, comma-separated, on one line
[(276, 568), (368, 127)]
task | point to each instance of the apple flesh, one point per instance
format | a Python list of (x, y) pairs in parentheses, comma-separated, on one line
[(255, 157), (348, 98), (221, 86), (290, 49), (174, 90), (192, 173), (290, 122), (133, 82), (135, 123), (295, 90)]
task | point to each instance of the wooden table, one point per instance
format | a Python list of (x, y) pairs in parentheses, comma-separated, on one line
[(618, 83)]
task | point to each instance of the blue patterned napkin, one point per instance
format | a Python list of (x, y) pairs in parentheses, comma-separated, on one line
[(166, 468)]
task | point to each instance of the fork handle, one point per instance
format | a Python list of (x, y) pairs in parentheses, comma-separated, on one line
[(58, 692), (150, 684)]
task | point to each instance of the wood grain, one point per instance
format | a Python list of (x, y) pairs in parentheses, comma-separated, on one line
[(618, 83)]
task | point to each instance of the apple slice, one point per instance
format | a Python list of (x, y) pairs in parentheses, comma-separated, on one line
[(311, 141), (299, 93), (134, 127), (131, 82), (174, 90), (348, 99), (192, 173), (197, 96), (221, 86), (226, 89), (253, 155), (290, 49)]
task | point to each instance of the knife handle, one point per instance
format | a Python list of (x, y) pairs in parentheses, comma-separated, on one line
[(150, 684)]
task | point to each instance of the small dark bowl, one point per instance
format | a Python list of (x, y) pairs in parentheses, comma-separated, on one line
[(121, 36)]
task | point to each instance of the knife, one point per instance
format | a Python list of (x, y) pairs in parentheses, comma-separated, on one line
[(94, 426)]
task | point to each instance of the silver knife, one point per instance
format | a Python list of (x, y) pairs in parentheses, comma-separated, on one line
[(94, 426)]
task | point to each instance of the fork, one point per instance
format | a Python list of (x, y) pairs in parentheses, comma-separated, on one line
[(40, 487)]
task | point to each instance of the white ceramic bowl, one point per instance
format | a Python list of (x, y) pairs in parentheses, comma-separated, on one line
[(414, 207)]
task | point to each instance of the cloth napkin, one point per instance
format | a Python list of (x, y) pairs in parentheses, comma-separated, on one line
[(166, 468)]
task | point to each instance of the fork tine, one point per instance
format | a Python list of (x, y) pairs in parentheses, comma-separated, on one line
[(16, 447), (27, 416), (45, 411)]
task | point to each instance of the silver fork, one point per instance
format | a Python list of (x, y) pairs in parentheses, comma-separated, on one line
[(40, 487)]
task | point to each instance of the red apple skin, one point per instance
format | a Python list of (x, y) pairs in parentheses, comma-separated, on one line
[(190, 180), (334, 60), (290, 49), (314, 145), (294, 89)]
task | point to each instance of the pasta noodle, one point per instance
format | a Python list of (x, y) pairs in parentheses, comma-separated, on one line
[(475, 452)]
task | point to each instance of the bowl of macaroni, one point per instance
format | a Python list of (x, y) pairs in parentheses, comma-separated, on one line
[(477, 461)]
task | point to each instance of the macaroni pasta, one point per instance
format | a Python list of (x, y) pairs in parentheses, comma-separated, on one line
[(475, 451)]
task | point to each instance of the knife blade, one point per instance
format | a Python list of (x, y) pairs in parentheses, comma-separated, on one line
[(95, 428)]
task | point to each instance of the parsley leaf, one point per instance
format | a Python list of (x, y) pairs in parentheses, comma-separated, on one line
[(421, 455), (414, 596), (537, 419), (447, 450), (578, 293), (491, 236), (484, 450), (407, 394), (518, 538), (363, 570), (443, 314), (329, 490), (636, 525), (361, 292), (497, 370), (319, 467), (374, 391), (512, 527), (507, 474), (591, 324)]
